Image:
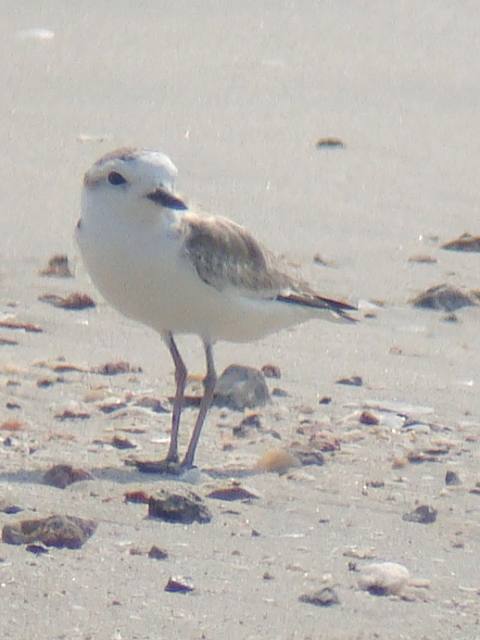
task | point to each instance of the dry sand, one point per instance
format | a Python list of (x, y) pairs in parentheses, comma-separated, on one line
[(238, 96)]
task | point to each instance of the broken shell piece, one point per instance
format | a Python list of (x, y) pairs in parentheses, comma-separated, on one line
[(277, 461), (443, 297), (57, 267), (384, 578), (73, 302), (466, 242)]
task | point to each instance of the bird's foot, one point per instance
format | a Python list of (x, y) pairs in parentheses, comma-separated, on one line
[(162, 467)]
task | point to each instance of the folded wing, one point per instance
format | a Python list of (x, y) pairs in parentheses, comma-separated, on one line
[(225, 255)]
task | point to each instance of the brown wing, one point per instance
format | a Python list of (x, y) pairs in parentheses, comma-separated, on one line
[(227, 255)]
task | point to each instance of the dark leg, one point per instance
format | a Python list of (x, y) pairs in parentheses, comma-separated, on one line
[(209, 388), (180, 379)]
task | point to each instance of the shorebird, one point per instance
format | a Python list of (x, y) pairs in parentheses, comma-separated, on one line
[(179, 271)]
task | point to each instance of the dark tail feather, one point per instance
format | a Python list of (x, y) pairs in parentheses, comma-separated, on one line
[(318, 302)]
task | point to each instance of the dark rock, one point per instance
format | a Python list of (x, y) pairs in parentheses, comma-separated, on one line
[(240, 388), (325, 597), (72, 302), (353, 381), (271, 371), (57, 267), (36, 549), (443, 297), (178, 585), (451, 478), (424, 514), (325, 400), (232, 493), (466, 242), (279, 393), (62, 475), (157, 554), (184, 507), (8, 508), (56, 531)]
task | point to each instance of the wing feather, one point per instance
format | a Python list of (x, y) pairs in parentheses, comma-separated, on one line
[(225, 255)]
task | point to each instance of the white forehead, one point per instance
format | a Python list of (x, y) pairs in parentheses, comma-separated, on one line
[(141, 166)]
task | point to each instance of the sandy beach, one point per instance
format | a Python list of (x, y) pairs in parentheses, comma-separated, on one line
[(239, 96)]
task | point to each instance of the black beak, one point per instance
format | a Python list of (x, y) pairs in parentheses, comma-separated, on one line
[(166, 199)]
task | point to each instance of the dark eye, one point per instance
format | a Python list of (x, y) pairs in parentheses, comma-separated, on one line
[(116, 178)]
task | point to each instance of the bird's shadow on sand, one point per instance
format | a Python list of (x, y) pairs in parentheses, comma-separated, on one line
[(130, 475)]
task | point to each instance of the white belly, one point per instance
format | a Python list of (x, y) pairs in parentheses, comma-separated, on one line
[(145, 276)]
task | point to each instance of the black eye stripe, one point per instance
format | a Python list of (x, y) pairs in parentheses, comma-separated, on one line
[(165, 199), (115, 178)]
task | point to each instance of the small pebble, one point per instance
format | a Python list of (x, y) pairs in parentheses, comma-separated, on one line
[(354, 381), (157, 554), (56, 531), (424, 514), (452, 478), (122, 443), (183, 507), (330, 142), (137, 497), (241, 388), (57, 267), (271, 371), (63, 475), (325, 597), (423, 259), (115, 368), (178, 585), (36, 549), (232, 493), (443, 297)]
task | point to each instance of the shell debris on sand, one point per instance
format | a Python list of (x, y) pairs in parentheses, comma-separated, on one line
[(444, 297), (73, 302), (466, 242), (57, 267), (389, 579), (277, 461)]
